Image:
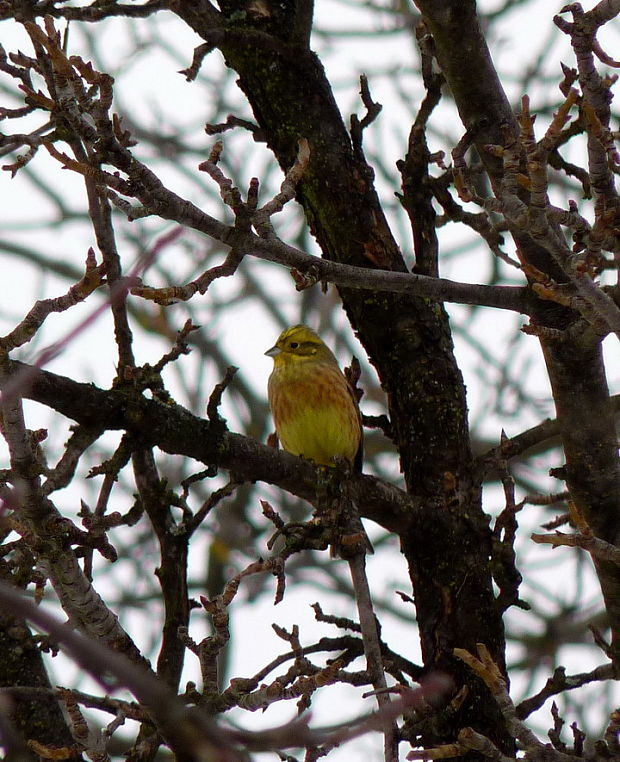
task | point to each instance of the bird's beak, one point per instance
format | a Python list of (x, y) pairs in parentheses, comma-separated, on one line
[(273, 351)]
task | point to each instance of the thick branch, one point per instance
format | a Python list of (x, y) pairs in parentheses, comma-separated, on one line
[(174, 430), (576, 373), (513, 298)]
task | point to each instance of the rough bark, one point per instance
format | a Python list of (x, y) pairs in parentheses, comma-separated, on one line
[(35, 716)]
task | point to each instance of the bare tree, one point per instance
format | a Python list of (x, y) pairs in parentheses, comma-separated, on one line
[(176, 233)]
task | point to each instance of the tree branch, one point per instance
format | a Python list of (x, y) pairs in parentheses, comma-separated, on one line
[(175, 430)]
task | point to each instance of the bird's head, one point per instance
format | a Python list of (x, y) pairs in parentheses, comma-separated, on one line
[(299, 344)]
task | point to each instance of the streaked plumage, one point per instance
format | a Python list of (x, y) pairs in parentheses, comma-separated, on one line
[(313, 406)]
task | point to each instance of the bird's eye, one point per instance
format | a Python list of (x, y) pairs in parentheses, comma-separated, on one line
[(294, 345)]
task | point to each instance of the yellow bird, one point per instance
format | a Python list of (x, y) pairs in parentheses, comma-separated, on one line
[(313, 406)]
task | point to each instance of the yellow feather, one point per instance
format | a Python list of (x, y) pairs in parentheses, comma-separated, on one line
[(314, 410)]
